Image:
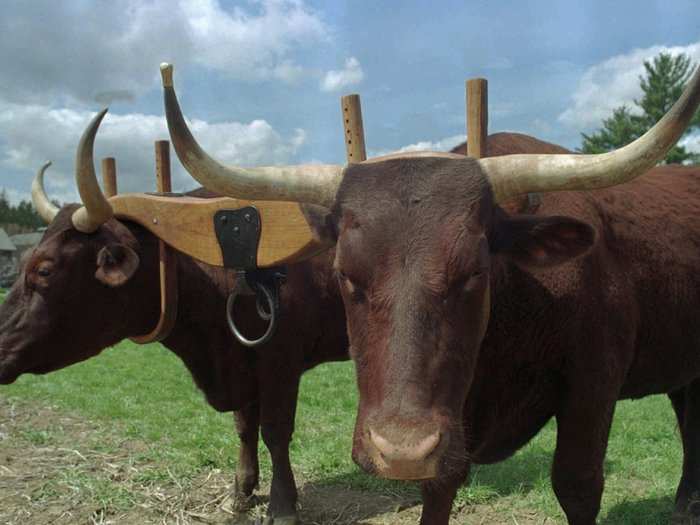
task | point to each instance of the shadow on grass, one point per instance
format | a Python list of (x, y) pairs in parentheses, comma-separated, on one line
[(650, 511), (526, 471)]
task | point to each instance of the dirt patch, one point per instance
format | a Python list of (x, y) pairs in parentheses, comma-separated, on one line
[(59, 468)]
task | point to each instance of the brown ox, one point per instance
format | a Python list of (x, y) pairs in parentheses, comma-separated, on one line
[(79, 293), (470, 328)]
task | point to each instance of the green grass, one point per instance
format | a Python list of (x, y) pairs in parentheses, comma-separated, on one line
[(148, 395)]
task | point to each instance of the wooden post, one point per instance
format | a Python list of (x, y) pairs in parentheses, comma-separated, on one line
[(354, 131), (163, 179), (477, 117), (168, 262), (109, 176)]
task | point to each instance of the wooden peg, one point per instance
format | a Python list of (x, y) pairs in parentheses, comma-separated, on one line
[(354, 135), (477, 117), (109, 176)]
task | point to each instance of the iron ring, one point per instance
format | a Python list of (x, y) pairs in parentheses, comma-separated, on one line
[(271, 317)]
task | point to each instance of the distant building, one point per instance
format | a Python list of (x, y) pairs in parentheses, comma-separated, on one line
[(25, 241), (8, 261)]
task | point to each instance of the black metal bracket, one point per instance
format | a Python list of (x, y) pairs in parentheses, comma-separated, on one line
[(238, 233)]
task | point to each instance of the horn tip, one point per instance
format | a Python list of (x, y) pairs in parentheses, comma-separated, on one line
[(166, 72), (100, 115)]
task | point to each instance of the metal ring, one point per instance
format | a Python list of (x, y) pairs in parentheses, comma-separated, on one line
[(272, 317)]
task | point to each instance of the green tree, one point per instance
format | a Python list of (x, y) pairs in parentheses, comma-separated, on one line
[(663, 82), (22, 214)]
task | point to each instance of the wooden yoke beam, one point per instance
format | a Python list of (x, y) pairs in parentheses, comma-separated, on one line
[(167, 258), (351, 111), (477, 117), (187, 224)]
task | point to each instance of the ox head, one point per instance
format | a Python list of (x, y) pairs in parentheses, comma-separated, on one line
[(76, 290), (418, 237)]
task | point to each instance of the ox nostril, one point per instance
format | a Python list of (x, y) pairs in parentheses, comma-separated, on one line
[(405, 450)]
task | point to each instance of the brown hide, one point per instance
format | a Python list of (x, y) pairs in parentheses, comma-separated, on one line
[(568, 334)]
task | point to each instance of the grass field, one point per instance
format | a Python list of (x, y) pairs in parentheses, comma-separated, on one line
[(147, 440)]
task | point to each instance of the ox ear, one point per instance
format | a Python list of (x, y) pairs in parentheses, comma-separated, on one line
[(116, 264), (321, 221), (542, 241)]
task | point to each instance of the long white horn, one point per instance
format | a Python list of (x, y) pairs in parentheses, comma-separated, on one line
[(44, 207), (514, 175), (313, 183), (96, 210)]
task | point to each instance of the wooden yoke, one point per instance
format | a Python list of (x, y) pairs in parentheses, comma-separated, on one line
[(187, 224), (477, 117), (167, 259)]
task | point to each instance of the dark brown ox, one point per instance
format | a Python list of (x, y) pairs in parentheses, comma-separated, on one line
[(471, 328), (79, 293)]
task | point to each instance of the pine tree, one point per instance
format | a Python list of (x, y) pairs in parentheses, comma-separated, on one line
[(663, 82)]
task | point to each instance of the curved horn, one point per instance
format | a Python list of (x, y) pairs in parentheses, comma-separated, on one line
[(96, 210), (44, 207), (514, 175), (304, 183)]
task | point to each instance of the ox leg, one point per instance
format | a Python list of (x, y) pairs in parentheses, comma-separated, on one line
[(686, 403), (582, 439), (247, 473), (278, 408), (437, 502)]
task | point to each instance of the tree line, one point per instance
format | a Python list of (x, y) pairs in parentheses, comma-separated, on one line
[(18, 218)]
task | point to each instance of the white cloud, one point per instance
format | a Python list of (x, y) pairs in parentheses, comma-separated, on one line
[(251, 45), (613, 83), (58, 52), (35, 133), (336, 80), (445, 144)]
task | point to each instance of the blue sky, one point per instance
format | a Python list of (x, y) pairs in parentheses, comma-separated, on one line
[(262, 80)]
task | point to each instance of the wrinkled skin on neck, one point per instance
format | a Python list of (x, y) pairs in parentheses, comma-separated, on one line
[(417, 242), (73, 298)]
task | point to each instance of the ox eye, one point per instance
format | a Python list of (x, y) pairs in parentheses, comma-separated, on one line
[(355, 292), (43, 269)]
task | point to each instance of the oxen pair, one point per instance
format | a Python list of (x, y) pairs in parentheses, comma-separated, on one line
[(469, 328)]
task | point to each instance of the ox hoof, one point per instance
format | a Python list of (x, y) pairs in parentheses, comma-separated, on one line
[(243, 503), (282, 520)]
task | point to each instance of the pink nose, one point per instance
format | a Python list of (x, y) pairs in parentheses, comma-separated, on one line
[(404, 459)]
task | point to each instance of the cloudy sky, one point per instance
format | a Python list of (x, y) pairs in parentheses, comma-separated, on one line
[(261, 81)]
